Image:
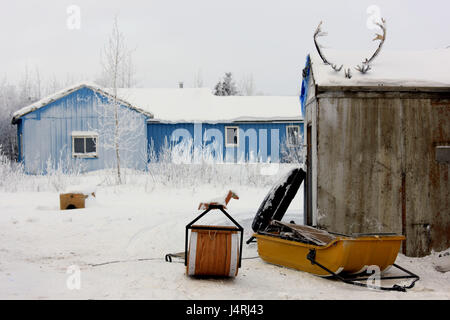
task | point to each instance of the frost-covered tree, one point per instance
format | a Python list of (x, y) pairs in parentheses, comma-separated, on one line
[(9, 102), (29, 88), (13, 97), (226, 87), (117, 72)]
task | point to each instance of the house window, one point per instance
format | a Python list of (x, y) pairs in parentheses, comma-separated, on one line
[(231, 136), (293, 136), (84, 144)]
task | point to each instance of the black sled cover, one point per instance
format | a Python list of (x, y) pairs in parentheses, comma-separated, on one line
[(278, 199)]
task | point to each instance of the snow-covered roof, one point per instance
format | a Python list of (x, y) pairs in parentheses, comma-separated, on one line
[(66, 91), (190, 104), (428, 68), (200, 105)]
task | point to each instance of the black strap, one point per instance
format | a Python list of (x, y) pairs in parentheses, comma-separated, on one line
[(250, 240), (169, 256), (312, 257)]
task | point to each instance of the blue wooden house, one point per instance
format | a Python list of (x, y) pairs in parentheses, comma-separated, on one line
[(73, 129)]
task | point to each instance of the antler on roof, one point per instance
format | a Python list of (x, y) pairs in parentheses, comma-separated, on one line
[(365, 66), (320, 33)]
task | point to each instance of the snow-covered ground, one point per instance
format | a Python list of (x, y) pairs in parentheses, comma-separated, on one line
[(39, 244)]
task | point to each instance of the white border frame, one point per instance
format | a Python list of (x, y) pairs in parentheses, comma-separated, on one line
[(287, 136), (86, 134), (231, 145)]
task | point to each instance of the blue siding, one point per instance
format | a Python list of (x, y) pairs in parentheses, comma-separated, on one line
[(47, 135), (19, 140), (257, 141)]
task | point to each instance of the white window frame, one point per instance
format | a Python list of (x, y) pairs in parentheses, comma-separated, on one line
[(232, 145), (288, 143), (84, 134)]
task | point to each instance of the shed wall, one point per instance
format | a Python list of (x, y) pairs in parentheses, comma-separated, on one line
[(377, 171)]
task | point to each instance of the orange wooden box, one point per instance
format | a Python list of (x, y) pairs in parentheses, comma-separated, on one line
[(213, 252)]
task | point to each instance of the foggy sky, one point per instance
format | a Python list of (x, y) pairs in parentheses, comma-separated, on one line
[(175, 40)]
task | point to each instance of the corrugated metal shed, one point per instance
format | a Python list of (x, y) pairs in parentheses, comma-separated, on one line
[(197, 113), (52, 130), (45, 131)]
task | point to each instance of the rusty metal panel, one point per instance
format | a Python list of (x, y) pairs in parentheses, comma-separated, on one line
[(377, 171), (427, 125)]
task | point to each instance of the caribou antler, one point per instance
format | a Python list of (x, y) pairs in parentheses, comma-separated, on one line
[(320, 33), (348, 73), (365, 66)]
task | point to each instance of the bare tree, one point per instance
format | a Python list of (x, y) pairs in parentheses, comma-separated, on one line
[(117, 132), (12, 98), (117, 70), (247, 85), (128, 72), (9, 101), (198, 79)]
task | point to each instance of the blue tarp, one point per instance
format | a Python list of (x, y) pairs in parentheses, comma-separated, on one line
[(305, 82)]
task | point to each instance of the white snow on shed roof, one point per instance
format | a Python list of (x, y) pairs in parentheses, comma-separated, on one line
[(428, 68), (200, 105)]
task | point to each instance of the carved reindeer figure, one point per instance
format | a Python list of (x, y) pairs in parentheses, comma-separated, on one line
[(219, 201)]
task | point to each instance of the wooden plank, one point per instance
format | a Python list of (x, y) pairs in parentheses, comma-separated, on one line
[(427, 125), (359, 165), (314, 235)]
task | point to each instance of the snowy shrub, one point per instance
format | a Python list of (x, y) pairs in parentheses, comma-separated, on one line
[(292, 154), (183, 165), (11, 173)]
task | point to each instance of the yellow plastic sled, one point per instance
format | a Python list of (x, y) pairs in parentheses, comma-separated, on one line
[(351, 255), (326, 254)]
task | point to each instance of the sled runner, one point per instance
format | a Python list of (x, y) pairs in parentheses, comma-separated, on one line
[(318, 251)]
